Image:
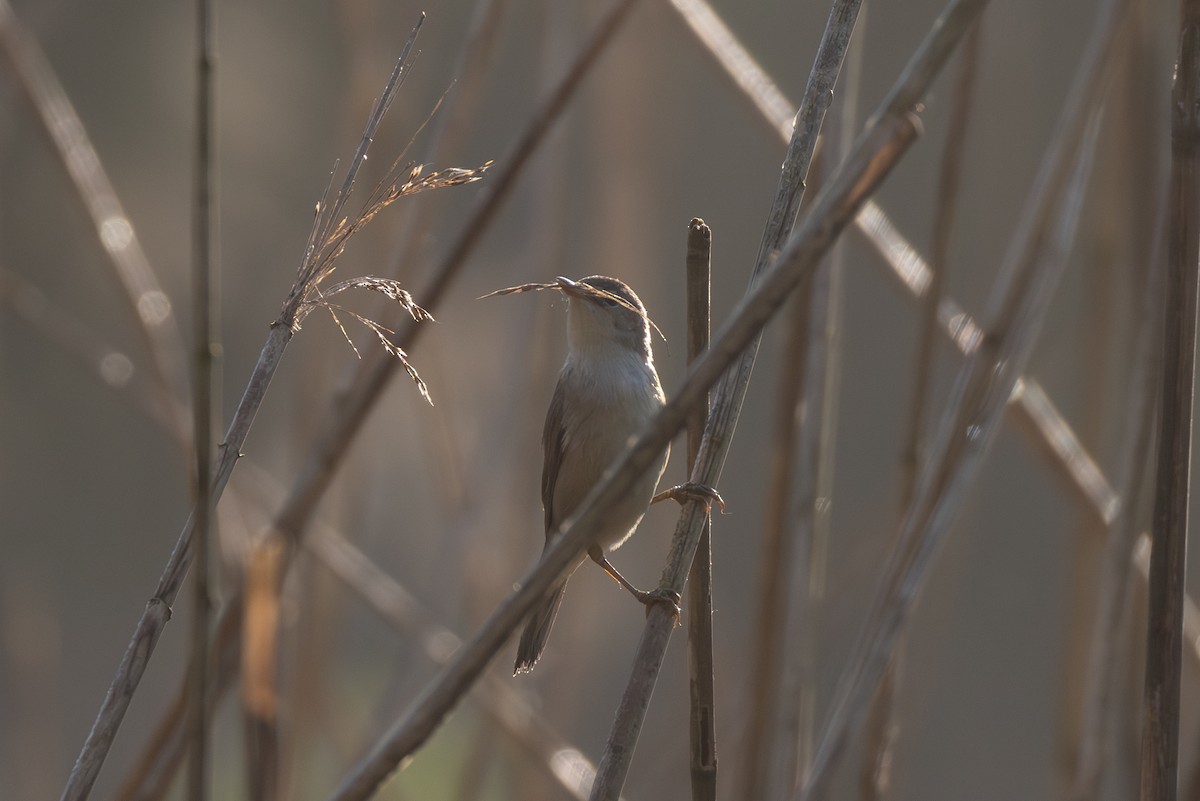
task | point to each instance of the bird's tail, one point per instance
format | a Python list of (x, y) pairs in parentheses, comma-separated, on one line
[(537, 630)]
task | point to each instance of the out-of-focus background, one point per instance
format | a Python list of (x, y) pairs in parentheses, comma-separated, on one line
[(444, 499)]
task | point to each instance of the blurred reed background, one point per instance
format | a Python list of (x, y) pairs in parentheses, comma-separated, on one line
[(442, 502)]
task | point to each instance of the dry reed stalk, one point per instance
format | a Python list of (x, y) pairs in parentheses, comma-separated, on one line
[(703, 710), (205, 344), (1030, 271), (1160, 704)]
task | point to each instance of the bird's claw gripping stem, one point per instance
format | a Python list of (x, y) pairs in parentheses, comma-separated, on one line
[(682, 493)]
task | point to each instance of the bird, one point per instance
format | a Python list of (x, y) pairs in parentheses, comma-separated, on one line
[(608, 391)]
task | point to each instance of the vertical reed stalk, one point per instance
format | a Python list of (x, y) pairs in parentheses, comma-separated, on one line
[(699, 603), (204, 342), (1160, 705)]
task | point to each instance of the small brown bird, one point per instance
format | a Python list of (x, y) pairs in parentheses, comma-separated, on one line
[(607, 392)]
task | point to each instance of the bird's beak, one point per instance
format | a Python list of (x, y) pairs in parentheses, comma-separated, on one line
[(572, 289)]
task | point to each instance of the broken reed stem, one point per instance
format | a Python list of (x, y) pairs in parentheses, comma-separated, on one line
[(1160, 704), (703, 715), (158, 609), (205, 345)]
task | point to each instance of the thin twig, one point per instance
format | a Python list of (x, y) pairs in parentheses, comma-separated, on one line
[(1030, 272), (1160, 705), (703, 713), (158, 609), (205, 345)]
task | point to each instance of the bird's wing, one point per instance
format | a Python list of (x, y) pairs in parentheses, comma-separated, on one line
[(553, 436)]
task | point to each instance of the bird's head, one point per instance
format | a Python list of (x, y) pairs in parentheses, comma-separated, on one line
[(605, 316)]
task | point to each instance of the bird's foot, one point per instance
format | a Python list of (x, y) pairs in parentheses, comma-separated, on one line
[(670, 598), (682, 493)]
